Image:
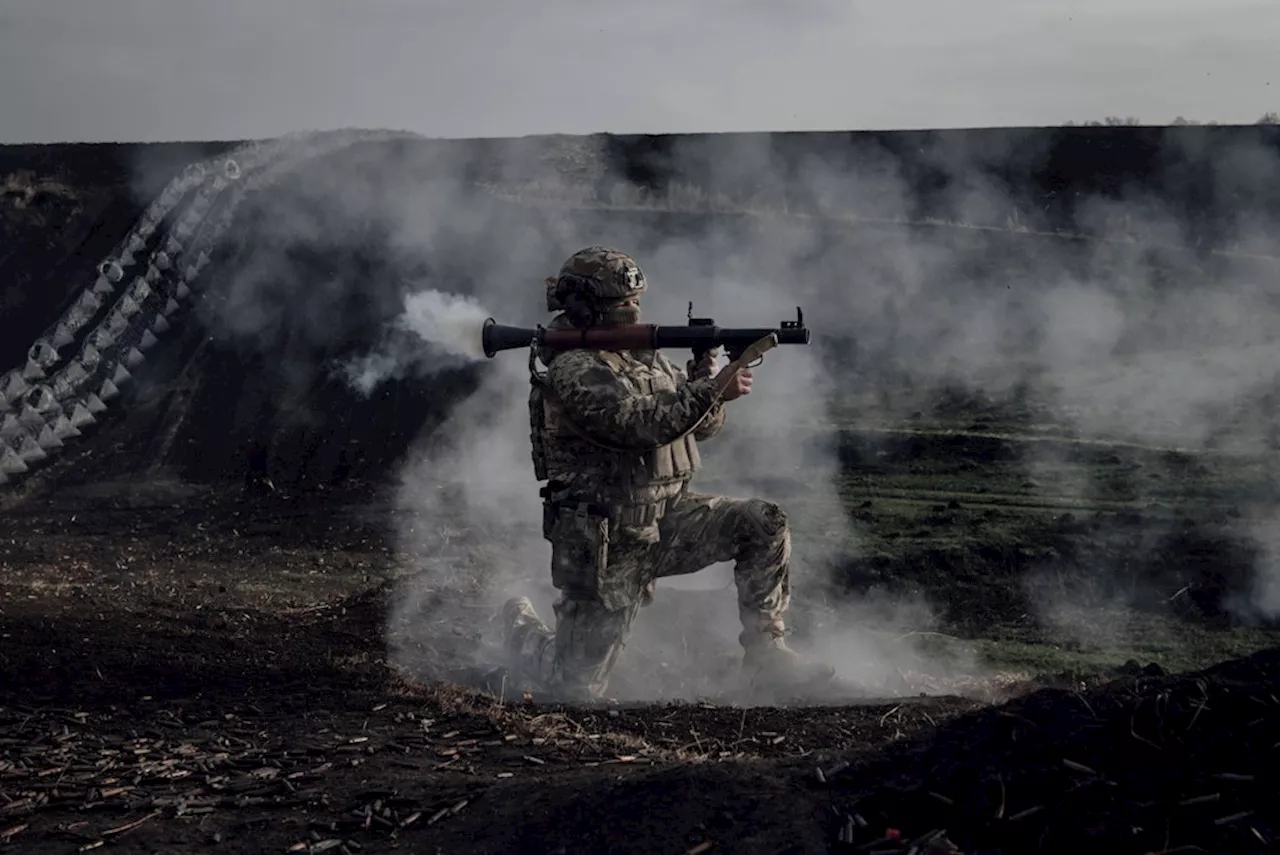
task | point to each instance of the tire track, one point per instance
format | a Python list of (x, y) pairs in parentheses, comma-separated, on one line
[(50, 400)]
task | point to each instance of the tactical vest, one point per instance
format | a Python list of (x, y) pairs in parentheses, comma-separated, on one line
[(633, 487)]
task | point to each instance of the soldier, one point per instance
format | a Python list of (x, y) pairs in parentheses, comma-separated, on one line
[(615, 435)]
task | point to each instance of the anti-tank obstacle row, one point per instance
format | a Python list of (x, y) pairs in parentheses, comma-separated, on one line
[(53, 406), (44, 355), (48, 401)]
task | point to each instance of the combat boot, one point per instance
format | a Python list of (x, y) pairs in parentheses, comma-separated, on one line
[(526, 639), (521, 626), (768, 662)]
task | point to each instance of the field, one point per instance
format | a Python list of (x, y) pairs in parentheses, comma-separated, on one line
[(186, 666), (1048, 640)]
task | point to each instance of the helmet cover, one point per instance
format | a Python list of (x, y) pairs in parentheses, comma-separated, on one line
[(594, 279)]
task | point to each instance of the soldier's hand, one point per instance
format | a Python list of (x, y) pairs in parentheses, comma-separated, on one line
[(704, 367), (739, 385)]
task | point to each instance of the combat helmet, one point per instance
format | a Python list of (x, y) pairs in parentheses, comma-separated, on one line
[(593, 281)]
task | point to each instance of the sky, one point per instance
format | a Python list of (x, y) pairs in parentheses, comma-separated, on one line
[(156, 70)]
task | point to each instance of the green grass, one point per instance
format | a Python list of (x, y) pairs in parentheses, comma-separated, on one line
[(1174, 646), (1049, 558)]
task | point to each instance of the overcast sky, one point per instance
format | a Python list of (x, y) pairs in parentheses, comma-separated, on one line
[(229, 69)]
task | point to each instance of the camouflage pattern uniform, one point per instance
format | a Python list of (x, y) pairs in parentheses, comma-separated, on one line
[(615, 435)]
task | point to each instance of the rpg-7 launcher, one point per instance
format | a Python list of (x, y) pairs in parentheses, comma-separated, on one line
[(743, 346)]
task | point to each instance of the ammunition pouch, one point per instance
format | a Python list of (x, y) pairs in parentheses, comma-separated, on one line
[(580, 554), (537, 432), (582, 560), (638, 522)]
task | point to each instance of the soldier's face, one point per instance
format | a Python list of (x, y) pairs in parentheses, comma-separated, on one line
[(624, 311)]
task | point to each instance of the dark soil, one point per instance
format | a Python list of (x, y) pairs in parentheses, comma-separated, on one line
[(141, 679), (151, 698)]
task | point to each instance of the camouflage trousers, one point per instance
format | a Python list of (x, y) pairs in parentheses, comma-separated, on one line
[(604, 580)]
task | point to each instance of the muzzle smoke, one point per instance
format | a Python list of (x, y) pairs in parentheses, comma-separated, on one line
[(436, 331)]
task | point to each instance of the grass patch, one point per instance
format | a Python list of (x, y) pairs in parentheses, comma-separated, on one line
[(1173, 645)]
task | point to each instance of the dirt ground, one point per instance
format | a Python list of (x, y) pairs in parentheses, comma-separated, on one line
[(157, 696)]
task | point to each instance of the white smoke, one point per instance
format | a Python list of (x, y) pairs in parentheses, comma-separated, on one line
[(443, 331)]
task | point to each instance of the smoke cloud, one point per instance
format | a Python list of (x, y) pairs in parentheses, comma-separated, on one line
[(436, 331), (1127, 332)]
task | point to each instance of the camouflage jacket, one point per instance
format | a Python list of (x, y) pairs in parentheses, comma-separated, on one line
[(622, 429)]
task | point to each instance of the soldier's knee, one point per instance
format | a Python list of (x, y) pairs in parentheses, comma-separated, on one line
[(769, 520)]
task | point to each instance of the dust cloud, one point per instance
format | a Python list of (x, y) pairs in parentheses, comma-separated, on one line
[(1131, 331)]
